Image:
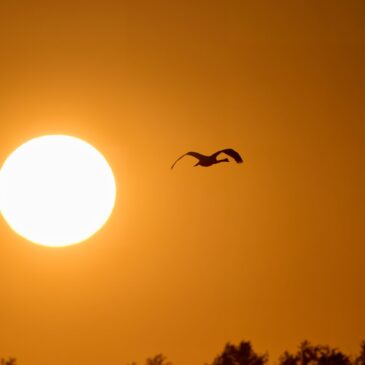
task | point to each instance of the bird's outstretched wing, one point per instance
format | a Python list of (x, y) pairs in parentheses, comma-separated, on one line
[(194, 154), (232, 153)]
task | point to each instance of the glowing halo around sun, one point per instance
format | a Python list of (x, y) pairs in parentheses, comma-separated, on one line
[(56, 190)]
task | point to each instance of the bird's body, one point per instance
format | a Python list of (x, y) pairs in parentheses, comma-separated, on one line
[(207, 161)]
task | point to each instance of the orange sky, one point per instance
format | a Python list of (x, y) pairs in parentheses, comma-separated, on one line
[(270, 251)]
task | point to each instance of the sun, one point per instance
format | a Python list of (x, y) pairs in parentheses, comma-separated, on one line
[(56, 190)]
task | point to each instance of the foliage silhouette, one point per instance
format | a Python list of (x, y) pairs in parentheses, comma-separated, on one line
[(158, 360), (360, 360), (308, 354), (242, 354)]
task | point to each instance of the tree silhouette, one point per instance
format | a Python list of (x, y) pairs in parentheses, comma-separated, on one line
[(158, 360), (308, 354), (242, 354), (360, 360)]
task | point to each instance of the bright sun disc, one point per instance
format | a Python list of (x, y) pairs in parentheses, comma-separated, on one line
[(56, 190)]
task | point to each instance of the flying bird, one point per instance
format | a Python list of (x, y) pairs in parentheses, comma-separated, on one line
[(212, 159)]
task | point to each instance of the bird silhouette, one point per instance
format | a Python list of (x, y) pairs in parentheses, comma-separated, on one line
[(212, 159)]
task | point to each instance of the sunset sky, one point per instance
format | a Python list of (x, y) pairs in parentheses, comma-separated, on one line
[(270, 251)]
